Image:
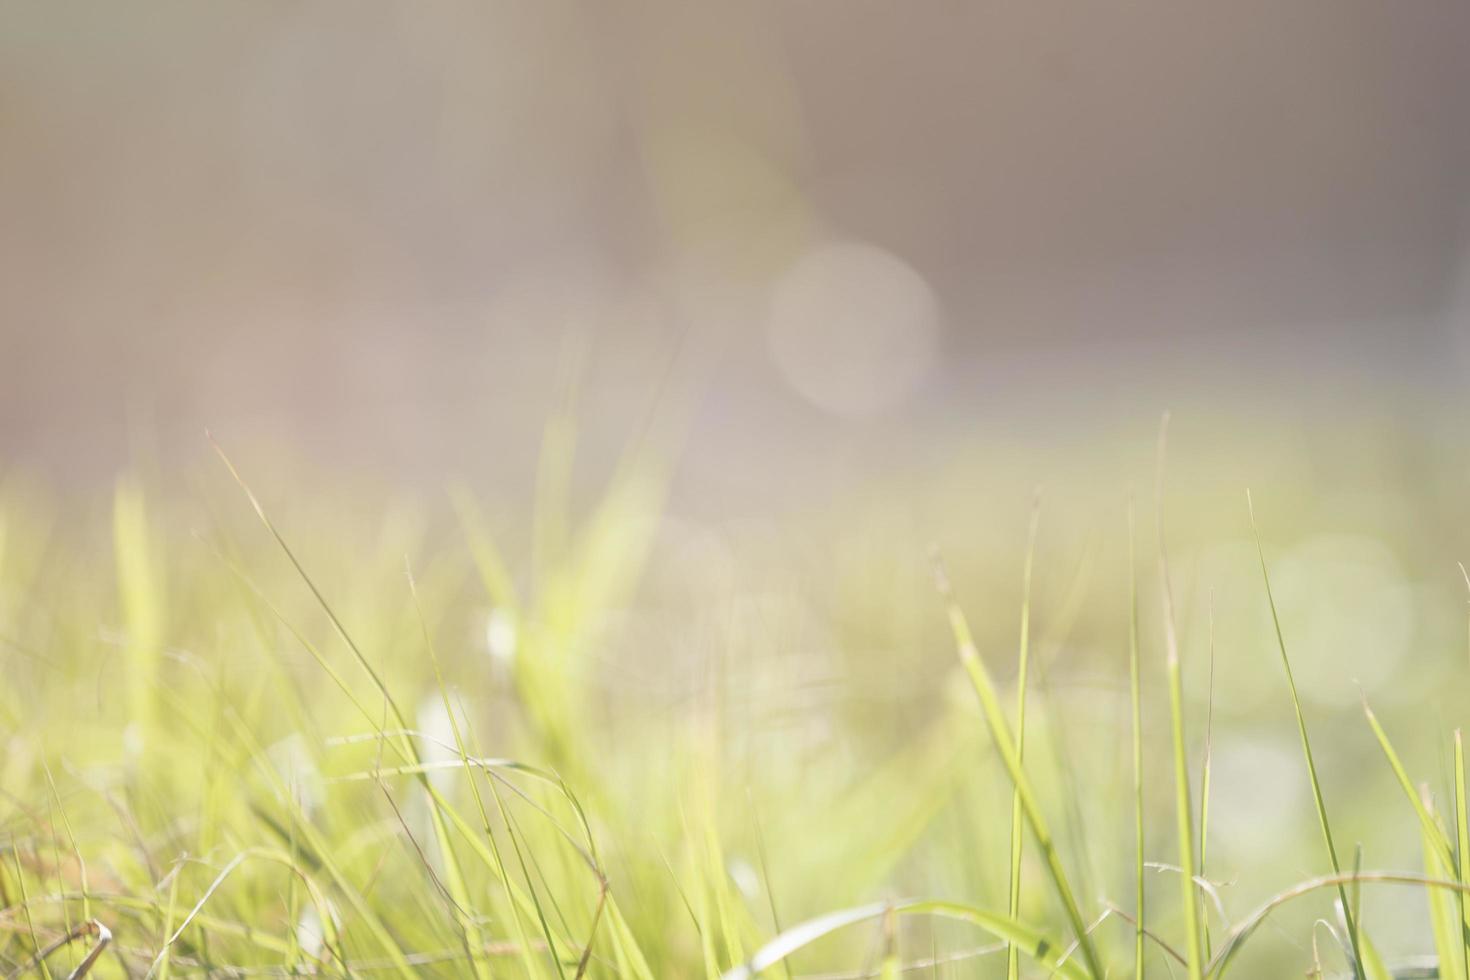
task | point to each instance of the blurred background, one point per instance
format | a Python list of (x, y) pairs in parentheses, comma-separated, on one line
[(369, 231), (858, 276)]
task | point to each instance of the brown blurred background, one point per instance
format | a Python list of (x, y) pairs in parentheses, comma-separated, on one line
[(826, 234)]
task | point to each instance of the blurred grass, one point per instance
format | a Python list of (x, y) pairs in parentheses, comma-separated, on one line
[(601, 738)]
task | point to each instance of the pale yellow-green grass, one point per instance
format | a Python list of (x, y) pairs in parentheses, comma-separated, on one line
[(260, 725)]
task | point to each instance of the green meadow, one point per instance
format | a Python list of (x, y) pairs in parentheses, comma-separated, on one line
[(258, 720)]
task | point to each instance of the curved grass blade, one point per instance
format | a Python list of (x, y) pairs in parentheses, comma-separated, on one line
[(1247, 926), (89, 928), (1024, 938), (318, 897), (1152, 937)]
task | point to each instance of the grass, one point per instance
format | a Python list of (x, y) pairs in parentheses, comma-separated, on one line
[(251, 733), (1013, 964), (1344, 906), (1183, 807), (1135, 702)]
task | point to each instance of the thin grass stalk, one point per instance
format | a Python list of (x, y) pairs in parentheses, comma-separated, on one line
[(1204, 789), (1301, 724), (1373, 966), (1134, 691), (163, 962), (1013, 962), (140, 599), (1462, 838), (1244, 928), (890, 968), (1000, 735), (472, 934), (390, 704), (1183, 810)]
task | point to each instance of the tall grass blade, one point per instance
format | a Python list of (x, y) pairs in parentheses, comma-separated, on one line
[(454, 874), (1000, 735), (890, 968), (1183, 810), (1135, 699), (1444, 917), (1373, 966), (406, 743), (1013, 966), (1462, 838), (1433, 833), (139, 587), (1301, 724), (1204, 788)]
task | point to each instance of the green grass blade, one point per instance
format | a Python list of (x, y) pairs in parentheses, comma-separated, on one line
[(1204, 788), (453, 872), (1444, 917), (316, 844), (631, 961), (321, 600), (1134, 692), (1183, 817), (139, 586), (1033, 943), (890, 968), (437, 804), (1013, 966), (1301, 724), (164, 959), (1434, 835), (1183, 810), (1373, 966), (1000, 735), (1244, 928), (1462, 837)]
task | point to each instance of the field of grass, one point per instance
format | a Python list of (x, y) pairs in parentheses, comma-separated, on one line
[(256, 729)]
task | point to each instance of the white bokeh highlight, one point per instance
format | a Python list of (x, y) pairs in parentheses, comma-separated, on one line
[(853, 329)]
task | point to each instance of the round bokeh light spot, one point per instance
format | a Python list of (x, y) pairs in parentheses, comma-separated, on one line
[(853, 328)]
